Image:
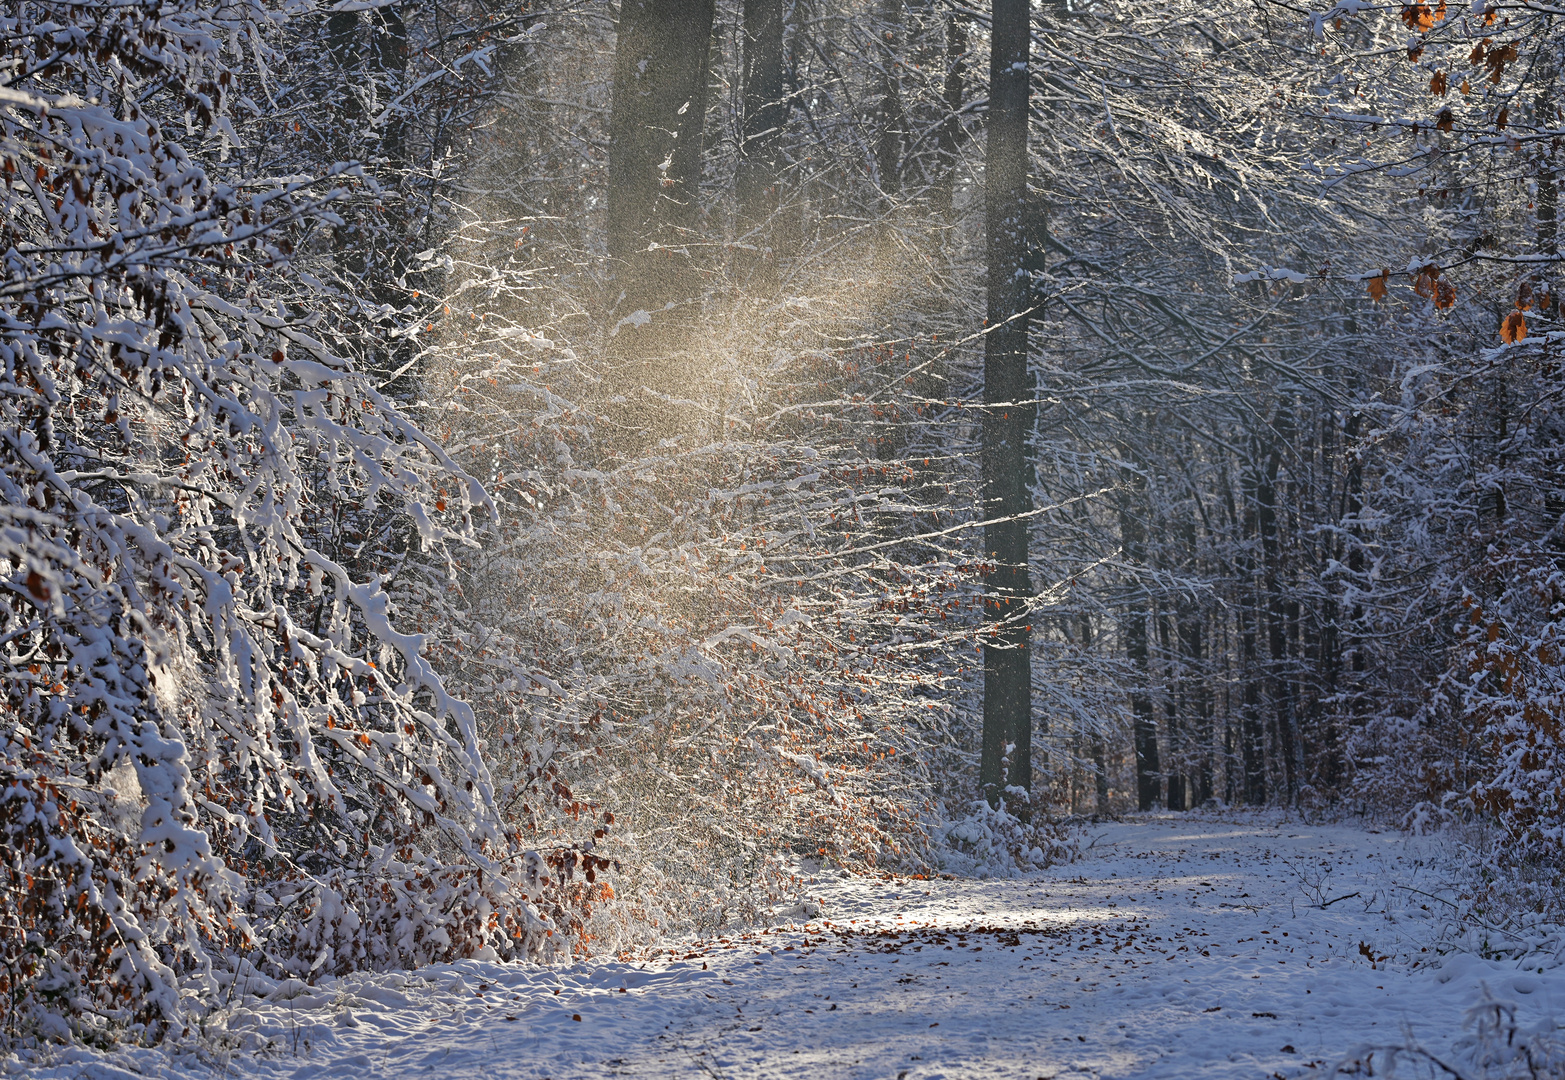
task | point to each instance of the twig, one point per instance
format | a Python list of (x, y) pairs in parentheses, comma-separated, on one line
[(1328, 903), (1495, 929)]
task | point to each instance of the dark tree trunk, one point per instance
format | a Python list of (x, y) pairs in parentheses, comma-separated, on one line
[(759, 176), (1100, 767), (1192, 646), (1548, 200), (950, 141), (1174, 720), (1192, 750), (1280, 678), (1007, 646), (1100, 775), (660, 91), (1133, 541), (660, 87), (889, 117), (1353, 642), (1252, 735)]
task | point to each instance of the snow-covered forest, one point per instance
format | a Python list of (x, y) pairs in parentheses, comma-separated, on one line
[(526, 482)]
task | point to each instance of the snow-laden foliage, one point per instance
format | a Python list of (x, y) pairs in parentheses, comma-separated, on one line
[(385, 586), (742, 643), (1005, 840), (217, 741)]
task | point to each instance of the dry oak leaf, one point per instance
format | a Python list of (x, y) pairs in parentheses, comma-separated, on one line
[(1445, 295), (1418, 16), (1377, 285), (1498, 58), (1445, 121), (1514, 328), (1437, 84)]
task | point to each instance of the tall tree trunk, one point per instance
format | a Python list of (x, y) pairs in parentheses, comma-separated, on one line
[(950, 140), (890, 120), (1174, 720), (1276, 609), (1193, 753), (1192, 647), (759, 176), (1007, 645), (1548, 180), (1133, 541), (1100, 775), (655, 128), (1252, 735)]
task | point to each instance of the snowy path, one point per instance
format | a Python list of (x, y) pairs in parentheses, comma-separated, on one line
[(1174, 948)]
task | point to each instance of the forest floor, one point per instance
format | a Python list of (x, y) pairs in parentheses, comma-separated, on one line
[(1228, 945)]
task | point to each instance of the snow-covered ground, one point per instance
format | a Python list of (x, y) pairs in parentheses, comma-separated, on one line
[(1178, 946)]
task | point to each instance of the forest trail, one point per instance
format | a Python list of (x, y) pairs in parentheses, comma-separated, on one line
[(1177, 946)]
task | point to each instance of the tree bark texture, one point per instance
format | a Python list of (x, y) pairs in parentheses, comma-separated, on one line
[(1007, 651)]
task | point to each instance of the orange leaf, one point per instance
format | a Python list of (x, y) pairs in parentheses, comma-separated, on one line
[(1513, 329), (1377, 286), (1418, 16), (1440, 11), (1445, 295), (1437, 84), (1424, 283)]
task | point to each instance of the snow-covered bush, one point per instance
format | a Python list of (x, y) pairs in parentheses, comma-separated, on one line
[(1470, 519), (1515, 702), (1004, 840), (216, 739), (1495, 1045), (706, 640)]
